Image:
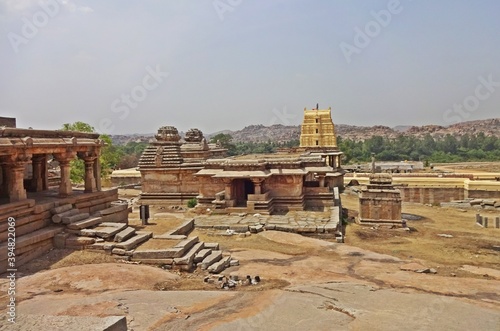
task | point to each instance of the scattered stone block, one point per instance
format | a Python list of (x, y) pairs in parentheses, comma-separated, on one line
[(79, 241), (57, 218), (476, 202), (234, 263), (119, 251), (212, 246), (124, 234), (135, 241), (169, 253), (61, 209), (239, 228), (107, 230), (188, 258), (256, 228), (88, 222), (268, 227), (60, 240), (201, 255), (187, 243), (74, 218), (214, 257), (222, 264)]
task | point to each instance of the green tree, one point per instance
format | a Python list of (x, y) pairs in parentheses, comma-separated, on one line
[(110, 155), (225, 140)]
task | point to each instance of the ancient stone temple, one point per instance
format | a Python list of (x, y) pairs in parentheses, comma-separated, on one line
[(174, 171), (29, 198), (27, 151), (379, 201), (168, 166)]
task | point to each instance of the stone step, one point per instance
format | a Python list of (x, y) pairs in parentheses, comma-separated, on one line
[(214, 257), (79, 241), (74, 218), (155, 254), (135, 241), (86, 223), (57, 218), (61, 209), (120, 251), (212, 246), (124, 234), (188, 258), (222, 264), (104, 230), (187, 243), (30, 239), (201, 255)]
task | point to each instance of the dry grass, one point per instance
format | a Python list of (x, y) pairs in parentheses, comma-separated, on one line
[(251, 242), (470, 244), (59, 258)]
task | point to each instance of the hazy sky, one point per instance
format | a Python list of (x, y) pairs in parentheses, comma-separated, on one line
[(132, 66)]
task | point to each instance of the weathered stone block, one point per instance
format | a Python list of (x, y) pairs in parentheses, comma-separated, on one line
[(124, 234), (215, 256), (61, 209), (86, 223), (75, 218), (201, 255)]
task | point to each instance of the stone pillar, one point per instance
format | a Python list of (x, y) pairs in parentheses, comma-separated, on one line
[(257, 182), (228, 192), (90, 182), (65, 188), (15, 179), (37, 183), (17, 191)]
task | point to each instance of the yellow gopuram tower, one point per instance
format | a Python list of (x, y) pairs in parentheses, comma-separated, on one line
[(317, 129)]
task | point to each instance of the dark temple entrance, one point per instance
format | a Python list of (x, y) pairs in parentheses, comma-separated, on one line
[(242, 188)]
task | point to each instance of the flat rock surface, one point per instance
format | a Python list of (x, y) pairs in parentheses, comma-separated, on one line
[(308, 284)]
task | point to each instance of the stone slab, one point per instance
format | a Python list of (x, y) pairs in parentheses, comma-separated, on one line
[(212, 246), (214, 257), (202, 255), (135, 241), (219, 266), (74, 218), (124, 234), (108, 230), (188, 258), (86, 223)]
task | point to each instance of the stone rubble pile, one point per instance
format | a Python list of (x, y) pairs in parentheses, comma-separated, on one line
[(473, 203), (226, 283), (85, 232)]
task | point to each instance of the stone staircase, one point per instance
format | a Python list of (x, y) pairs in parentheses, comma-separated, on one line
[(104, 231), (90, 232)]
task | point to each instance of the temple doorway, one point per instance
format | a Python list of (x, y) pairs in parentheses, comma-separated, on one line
[(242, 188)]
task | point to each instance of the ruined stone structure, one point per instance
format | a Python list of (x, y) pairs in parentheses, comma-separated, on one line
[(379, 202), (173, 172), (25, 192), (168, 167)]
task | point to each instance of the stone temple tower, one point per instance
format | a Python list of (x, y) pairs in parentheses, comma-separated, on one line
[(317, 129)]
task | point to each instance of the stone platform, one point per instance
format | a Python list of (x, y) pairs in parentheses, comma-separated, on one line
[(301, 222)]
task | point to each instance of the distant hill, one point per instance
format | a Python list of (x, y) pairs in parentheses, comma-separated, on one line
[(282, 133)]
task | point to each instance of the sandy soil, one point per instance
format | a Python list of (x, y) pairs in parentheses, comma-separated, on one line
[(307, 283)]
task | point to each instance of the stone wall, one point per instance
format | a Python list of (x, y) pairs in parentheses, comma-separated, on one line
[(34, 230), (432, 195)]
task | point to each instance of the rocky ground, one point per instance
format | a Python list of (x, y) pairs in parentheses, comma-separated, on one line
[(380, 279)]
